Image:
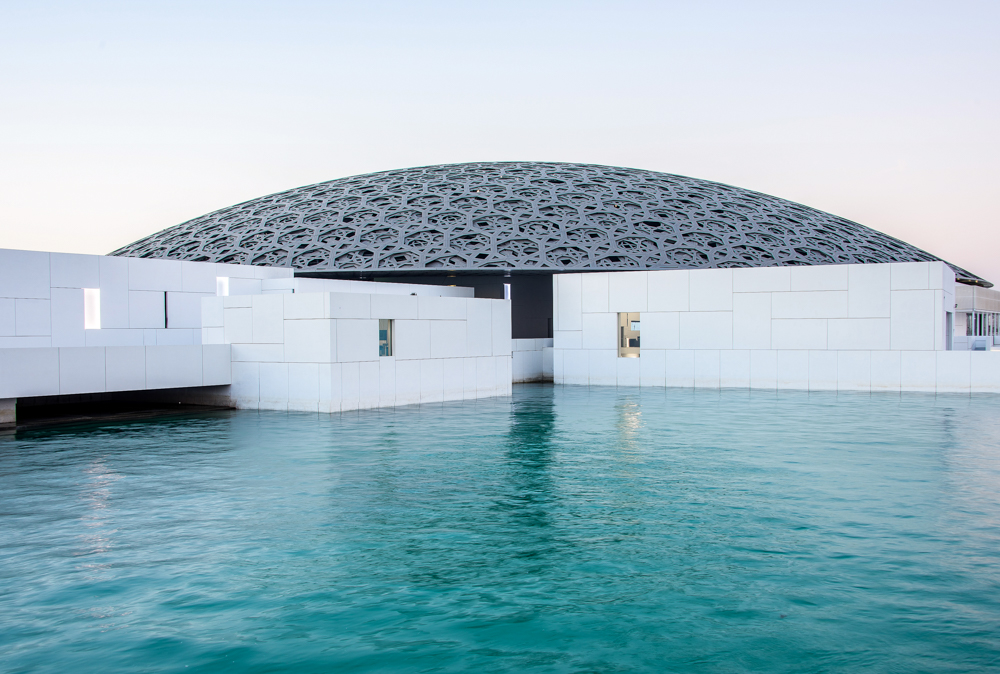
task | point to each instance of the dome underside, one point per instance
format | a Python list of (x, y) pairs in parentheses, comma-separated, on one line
[(523, 216)]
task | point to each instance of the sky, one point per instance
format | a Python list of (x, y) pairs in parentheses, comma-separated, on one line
[(118, 119)]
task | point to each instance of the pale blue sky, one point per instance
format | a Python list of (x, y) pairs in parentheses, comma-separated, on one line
[(118, 119)]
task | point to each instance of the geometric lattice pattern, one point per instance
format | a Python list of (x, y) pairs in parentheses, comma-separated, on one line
[(523, 215)]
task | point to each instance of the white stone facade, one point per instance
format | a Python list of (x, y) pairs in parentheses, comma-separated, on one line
[(318, 351), (90, 324), (831, 327)]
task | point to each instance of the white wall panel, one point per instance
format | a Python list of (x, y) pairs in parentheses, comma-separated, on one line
[(910, 276), (479, 328), (798, 333), (184, 309), (706, 330), (453, 377), (268, 319), (823, 370), (81, 370), (387, 381), (30, 342), (854, 370), (34, 317), (274, 386), (431, 381), (238, 325), (125, 368), (173, 366), (469, 386), (329, 387), (820, 277), (244, 287), (238, 301), (652, 367), (918, 370), (680, 368), (868, 290), (407, 382), (711, 290), (912, 320), (179, 336), (440, 308), (68, 270), (357, 340), (199, 277), (868, 334), (212, 312), (594, 292), (28, 372), (7, 317), (568, 302), (707, 372), (576, 367), (751, 320), (145, 309), (310, 341), (763, 369), (148, 274), (304, 305), (368, 384), (668, 290), (448, 339), (600, 331), (602, 367), (114, 292), (953, 371), (24, 273), (660, 330), (629, 371), (245, 389), (810, 304), (216, 367), (501, 327), (793, 370), (66, 308), (985, 371), (413, 340), (627, 291), (259, 353), (885, 370), (762, 279), (566, 339), (350, 382), (734, 368), (394, 306), (349, 305)]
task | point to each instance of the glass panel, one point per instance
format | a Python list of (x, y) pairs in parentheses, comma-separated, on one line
[(384, 337), (628, 335)]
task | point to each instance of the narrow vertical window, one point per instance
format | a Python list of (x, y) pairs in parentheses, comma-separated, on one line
[(222, 286), (91, 308), (628, 335), (384, 337), (506, 291)]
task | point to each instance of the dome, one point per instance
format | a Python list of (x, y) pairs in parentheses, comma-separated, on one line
[(523, 216)]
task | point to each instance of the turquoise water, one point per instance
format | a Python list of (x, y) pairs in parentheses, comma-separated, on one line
[(562, 530)]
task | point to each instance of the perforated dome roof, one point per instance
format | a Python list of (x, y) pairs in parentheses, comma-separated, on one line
[(523, 216)]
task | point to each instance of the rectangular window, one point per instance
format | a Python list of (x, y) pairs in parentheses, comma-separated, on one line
[(222, 286), (91, 308), (628, 335), (384, 337)]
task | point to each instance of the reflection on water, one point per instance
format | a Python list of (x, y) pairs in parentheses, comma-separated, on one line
[(562, 530)]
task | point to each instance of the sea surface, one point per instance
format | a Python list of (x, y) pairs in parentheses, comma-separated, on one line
[(564, 529)]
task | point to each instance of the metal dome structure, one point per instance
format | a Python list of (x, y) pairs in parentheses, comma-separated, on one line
[(526, 217)]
